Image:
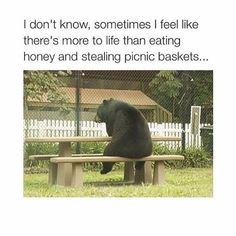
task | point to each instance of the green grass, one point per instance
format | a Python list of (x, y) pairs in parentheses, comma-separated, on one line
[(190, 182)]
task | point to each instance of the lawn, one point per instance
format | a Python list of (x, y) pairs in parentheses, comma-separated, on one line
[(189, 182)]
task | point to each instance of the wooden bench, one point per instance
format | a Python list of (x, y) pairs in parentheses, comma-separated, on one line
[(47, 157), (77, 165), (65, 150)]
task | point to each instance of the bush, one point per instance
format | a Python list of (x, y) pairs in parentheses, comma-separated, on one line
[(194, 157), (38, 149), (197, 157), (32, 166), (92, 147)]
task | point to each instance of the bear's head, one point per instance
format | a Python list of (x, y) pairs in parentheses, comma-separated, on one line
[(103, 110)]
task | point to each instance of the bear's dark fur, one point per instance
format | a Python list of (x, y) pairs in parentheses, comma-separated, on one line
[(129, 130)]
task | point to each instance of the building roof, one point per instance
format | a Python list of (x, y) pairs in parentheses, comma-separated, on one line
[(124, 75), (96, 96), (134, 97)]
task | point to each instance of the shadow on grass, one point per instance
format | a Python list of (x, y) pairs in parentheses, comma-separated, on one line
[(108, 183)]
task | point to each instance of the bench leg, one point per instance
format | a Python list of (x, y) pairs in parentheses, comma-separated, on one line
[(148, 172), (144, 175), (159, 175), (64, 171), (129, 171), (77, 175), (52, 175), (139, 175)]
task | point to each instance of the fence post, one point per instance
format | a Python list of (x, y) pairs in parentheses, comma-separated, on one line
[(183, 137), (40, 124), (49, 128), (103, 129), (78, 110)]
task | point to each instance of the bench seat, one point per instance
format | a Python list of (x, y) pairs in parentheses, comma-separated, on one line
[(77, 171), (90, 158), (48, 156)]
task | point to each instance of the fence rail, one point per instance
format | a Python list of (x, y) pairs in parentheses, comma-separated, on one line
[(60, 128)]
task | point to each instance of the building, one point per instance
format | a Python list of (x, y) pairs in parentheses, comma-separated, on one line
[(90, 99)]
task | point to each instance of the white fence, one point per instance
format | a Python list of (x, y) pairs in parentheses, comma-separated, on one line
[(49, 128)]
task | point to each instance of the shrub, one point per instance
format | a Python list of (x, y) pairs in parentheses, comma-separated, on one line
[(92, 147), (38, 149), (197, 157), (32, 166), (194, 157)]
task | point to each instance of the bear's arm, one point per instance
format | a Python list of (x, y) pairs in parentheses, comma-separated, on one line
[(121, 126), (109, 128)]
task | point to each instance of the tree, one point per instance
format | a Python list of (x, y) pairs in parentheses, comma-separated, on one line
[(177, 91), (45, 84), (166, 88)]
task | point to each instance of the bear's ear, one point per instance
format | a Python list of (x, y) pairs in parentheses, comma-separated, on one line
[(105, 102)]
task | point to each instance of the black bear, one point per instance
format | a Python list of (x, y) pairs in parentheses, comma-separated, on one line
[(129, 131)]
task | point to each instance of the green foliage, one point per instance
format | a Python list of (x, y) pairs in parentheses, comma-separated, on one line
[(96, 148), (31, 166), (166, 83), (39, 85), (194, 157), (49, 148), (92, 147), (171, 88), (197, 157), (203, 86)]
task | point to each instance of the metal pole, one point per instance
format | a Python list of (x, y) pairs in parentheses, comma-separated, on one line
[(78, 112), (187, 100), (184, 110), (183, 137)]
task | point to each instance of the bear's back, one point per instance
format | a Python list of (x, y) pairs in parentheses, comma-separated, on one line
[(131, 130)]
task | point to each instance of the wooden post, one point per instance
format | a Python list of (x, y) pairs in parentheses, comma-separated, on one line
[(144, 175), (129, 171), (64, 170), (148, 172), (77, 175), (159, 175), (139, 175), (52, 175)]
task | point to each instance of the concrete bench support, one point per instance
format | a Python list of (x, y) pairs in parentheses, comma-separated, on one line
[(60, 170), (143, 175), (52, 171), (77, 175), (64, 170), (52, 174), (159, 172), (129, 171)]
